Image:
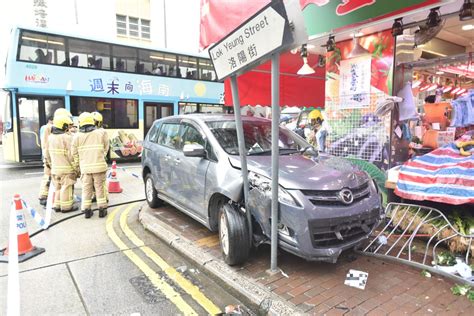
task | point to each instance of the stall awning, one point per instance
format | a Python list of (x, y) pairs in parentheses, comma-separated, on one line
[(295, 90)]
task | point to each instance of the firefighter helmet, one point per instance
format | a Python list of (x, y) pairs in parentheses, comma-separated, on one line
[(62, 122), (315, 114), (62, 112), (86, 118), (97, 118)]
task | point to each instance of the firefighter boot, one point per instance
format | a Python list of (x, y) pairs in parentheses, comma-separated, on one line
[(102, 212), (43, 201), (88, 213)]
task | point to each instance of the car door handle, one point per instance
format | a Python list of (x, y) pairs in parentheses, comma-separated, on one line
[(177, 161), (167, 157)]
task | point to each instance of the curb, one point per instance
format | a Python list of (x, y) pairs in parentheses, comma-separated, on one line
[(244, 286)]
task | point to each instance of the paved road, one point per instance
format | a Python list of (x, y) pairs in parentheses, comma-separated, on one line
[(103, 266)]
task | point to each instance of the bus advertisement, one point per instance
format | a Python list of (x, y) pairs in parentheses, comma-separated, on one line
[(130, 86)]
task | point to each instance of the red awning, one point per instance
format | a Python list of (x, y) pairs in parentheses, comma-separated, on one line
[(219, 18), (295, 90)]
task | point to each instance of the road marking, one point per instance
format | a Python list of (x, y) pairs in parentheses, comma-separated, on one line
[(30, 173), (184, 283), (164, 287)]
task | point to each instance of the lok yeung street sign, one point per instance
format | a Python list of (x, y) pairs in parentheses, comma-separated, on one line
[(252, 42)]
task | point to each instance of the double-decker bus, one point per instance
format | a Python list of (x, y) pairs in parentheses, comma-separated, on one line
[(130, 86)]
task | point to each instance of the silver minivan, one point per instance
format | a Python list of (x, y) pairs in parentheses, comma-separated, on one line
[(192, 162)]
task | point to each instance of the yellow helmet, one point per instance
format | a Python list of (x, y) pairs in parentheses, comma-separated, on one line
[(62, 121), (97, 118), (315, 114), (86, 118), (62, 111)]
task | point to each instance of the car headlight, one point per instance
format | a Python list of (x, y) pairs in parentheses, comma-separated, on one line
[(265, 184)]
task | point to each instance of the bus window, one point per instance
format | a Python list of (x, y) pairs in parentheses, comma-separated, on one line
[(89, 54), (42, 48), (125, 58), (211, 108), (163, 64), (187, 67), (51, 105), (117, 113), (206, 71), (186, 108)]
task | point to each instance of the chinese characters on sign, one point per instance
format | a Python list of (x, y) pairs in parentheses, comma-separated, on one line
[(113, 86), (96, 85), (39, 8), (354, 83)]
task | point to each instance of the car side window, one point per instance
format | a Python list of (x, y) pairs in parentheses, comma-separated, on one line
[(169, 135), (154, 133), (192, 136)]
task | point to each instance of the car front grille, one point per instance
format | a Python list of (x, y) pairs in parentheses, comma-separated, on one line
[(332, 197), (328, 232)]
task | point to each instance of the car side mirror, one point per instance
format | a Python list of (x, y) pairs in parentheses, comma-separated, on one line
[(194, 150)]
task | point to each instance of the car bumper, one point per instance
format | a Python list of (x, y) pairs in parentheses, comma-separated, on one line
[(322, 232)]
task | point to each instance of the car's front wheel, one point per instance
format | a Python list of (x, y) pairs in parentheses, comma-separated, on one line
[(233, 235), (151, 193)]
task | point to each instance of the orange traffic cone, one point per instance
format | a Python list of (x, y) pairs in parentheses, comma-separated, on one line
[(114, 184), (26, 250)]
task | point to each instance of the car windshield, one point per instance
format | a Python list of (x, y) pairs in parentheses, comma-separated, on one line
[(257, 136)]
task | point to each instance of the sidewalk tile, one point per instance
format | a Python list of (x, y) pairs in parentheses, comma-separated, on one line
[(299, 299), (321, 309), (357, 311), (300, 289), (377, 312)]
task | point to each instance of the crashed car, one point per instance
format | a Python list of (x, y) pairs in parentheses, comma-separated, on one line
[(192, 162)]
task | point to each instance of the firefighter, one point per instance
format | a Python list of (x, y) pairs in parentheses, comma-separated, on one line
[(98, 121), (63, 171), (89, 148), (319, 130), (45, 131)]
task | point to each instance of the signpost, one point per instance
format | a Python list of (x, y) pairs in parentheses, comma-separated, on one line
[(262, 36), (252, 42)]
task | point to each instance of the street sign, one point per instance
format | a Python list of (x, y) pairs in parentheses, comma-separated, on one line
[(252, 42)]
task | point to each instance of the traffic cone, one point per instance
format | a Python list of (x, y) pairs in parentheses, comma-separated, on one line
[(26, 250), (114, 184)]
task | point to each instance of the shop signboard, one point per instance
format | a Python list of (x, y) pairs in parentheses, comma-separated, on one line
[(252, 42), (325, 16)]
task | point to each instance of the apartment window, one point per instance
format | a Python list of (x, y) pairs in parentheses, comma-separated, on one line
[(121, 24), (133, 27)]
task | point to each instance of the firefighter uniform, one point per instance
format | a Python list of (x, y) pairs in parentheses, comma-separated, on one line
[(98, 122), (89, 148), (44, 187), (58, 157)]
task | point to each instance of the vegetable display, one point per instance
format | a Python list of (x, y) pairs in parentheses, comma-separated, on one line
[(461, 222)]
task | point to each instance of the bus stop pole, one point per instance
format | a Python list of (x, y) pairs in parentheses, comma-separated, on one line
[(275, 158), (242, 151)]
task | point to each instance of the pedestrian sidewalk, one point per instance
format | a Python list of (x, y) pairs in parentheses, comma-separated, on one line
[(308, 287)]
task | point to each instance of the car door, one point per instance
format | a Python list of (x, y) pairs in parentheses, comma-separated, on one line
[(168, 145), (151, 153), (192, 170)]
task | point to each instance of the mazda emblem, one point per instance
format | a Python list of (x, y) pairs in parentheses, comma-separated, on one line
[(346, 196)]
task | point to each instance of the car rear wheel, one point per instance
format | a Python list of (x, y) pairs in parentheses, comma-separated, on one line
[(233, 235), (151, 193)]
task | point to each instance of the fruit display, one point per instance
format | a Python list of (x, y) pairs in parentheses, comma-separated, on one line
[(126, 145)]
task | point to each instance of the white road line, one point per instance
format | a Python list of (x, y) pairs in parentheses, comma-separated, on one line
[(30, 173)]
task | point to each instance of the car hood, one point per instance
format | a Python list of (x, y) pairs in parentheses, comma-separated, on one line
[(302, 173)]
